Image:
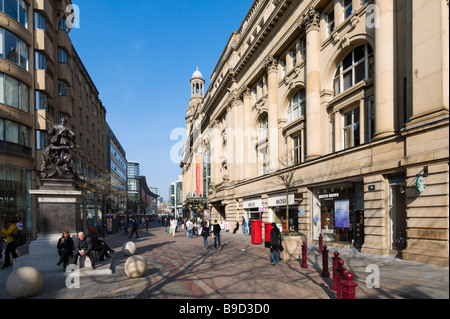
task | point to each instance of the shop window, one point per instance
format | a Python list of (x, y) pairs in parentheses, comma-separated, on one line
[(340, 213)]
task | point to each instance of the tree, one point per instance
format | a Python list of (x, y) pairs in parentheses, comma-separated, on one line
[(104, 192), (287, 177)]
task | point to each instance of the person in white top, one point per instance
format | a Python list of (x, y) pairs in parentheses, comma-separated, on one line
[(189, 227), (173, 226)]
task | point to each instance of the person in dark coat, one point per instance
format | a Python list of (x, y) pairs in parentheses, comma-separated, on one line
[(65, 249), (134, 228), (83, 247), (205, 234), (97, 244), (275, 245), (236, 228)]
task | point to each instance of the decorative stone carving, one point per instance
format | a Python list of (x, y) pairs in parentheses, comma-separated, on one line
[(311, 20), (271, 64), (57, 157)]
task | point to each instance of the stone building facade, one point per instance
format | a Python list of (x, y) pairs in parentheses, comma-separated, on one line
[(347, 97)]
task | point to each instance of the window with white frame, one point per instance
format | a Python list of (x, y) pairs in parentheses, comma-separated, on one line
[(354, 68), (297, 149), (347, 5), (351, 128), (296, 108), (330, 22), (263, 128)]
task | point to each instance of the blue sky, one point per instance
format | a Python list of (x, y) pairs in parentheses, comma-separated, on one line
[(141, 55)]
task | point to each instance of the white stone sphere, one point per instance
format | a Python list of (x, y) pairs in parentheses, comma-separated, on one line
[(129, 248), (24, 282), (135, 266)]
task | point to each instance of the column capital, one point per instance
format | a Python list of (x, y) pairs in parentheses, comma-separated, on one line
[(311, 20), (271, 64)]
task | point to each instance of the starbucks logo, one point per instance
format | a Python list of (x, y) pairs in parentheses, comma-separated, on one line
[(420, 184)]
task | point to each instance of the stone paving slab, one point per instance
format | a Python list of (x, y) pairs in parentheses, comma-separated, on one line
[(180, 268)]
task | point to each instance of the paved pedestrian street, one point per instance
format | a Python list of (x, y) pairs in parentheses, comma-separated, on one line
[(179, 268)]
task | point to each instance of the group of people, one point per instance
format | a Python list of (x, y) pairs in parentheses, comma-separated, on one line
[(82, 246), (194, 228)]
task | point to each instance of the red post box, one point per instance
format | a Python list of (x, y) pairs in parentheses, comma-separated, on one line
[(256, 232), (267, 229)]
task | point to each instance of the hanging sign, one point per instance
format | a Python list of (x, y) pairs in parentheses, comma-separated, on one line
[(420, 184)]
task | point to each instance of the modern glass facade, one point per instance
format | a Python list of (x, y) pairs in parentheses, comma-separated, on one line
[(15, 201)]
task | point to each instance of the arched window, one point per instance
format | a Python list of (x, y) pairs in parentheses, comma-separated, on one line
[(296, 108), (354, 68)]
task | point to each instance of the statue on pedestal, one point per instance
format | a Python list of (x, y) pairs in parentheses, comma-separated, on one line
[(57, 156)]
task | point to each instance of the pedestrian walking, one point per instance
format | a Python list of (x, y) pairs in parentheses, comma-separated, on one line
[(275, 245), (205, 234), (189, 228), (126, 227), (166, 225), (134, 228), (236, 228), (216, 235), (11, 244), (173, 226), (244, 225)]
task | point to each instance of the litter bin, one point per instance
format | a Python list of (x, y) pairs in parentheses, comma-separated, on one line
[(267, 229), (256, 232)]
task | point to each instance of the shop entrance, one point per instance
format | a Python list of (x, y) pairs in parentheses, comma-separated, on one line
[(397, 214), (338, 213)]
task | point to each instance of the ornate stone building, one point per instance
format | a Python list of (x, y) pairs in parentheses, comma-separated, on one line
[(349, 97)]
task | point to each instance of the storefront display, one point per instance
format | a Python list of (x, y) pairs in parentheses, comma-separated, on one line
[(340, 218)]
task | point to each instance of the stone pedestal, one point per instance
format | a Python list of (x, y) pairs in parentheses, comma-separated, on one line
[(59, 210)]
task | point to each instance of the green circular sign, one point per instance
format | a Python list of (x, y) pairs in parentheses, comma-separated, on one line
[(420, 184)]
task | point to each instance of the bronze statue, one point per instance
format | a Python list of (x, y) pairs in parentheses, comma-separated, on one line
[(57, 157)]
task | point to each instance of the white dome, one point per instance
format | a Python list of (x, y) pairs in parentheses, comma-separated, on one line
[(197, 75)]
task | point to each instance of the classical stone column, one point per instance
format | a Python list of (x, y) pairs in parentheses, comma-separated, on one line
[(249, 131), (239, 136), (385, 69), (313, 118), (430, 59), (272, 100)]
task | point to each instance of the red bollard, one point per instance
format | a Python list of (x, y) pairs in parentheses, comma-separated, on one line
[(304, 248), (325, 272), (348, 287), (320, 242), (336, 258), (340, 271)]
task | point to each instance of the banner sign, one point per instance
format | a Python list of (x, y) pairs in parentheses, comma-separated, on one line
[(198, 174), (341, 213)]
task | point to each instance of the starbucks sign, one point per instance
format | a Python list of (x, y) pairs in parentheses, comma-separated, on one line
[(420, 184)]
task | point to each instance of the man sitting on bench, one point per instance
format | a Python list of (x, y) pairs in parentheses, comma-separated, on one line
[(83, 247)]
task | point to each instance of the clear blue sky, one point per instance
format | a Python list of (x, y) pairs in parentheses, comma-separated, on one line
[(141, 55)]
